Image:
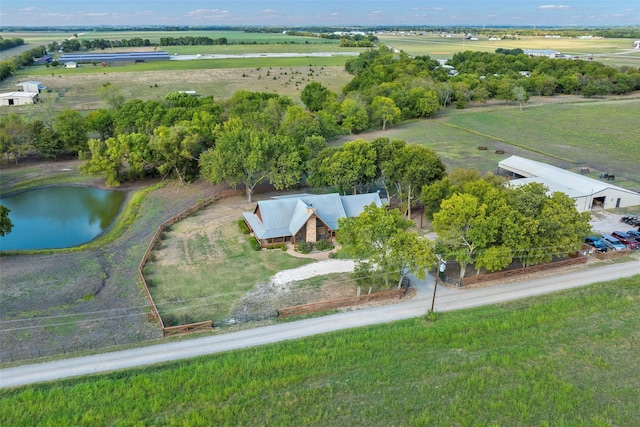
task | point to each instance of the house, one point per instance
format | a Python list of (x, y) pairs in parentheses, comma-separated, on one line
[(586, 192), (304, 217)]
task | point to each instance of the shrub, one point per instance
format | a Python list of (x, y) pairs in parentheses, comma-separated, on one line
[(244, 229), (170, 320), (255, 245), (304, 247), (323, 245)]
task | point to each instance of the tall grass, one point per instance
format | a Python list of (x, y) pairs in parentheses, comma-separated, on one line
[(563, 359)]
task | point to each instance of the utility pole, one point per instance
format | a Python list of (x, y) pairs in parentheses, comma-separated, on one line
[(440, 268)]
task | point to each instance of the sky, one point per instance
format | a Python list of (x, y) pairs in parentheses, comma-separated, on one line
[(319, 12)]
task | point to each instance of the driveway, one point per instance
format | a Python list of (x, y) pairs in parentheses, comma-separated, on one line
[(447, 299)]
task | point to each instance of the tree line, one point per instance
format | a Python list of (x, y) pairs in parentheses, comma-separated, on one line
[(10, 43)]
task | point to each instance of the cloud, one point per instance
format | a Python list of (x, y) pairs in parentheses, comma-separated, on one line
[(209, 14), (554, 6)]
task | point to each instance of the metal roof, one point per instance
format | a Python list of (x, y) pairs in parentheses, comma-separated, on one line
[(115, 57), (285, 216), (555, 178)]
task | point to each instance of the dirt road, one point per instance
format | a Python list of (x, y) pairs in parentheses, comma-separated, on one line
[(447, 299)]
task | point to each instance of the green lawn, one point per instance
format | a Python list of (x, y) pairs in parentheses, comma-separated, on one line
[(209, 270), (562, 359)]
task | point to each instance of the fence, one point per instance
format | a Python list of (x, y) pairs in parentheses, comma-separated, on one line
[(154, 314), (612, 254), (339, 303), (521, 271), (187, 329)]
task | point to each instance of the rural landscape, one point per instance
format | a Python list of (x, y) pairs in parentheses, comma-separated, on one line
[(424, 122)]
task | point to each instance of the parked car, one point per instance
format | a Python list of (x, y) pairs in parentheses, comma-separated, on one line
[(612, 243), (626, 239), (595, 242), (635, 234), (630, 219)]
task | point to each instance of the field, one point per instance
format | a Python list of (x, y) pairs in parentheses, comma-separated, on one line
[(596, 134), (563, 359), (616, 52)]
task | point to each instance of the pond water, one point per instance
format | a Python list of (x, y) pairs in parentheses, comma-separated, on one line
[(59, 217)]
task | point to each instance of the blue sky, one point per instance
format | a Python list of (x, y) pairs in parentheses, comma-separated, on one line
[(320, 12)]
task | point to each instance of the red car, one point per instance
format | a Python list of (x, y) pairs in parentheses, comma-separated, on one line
[(626, 239)]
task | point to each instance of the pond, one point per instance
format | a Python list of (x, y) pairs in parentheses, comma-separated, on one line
[(59, 217)]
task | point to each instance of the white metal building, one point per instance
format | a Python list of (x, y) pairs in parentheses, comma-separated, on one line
[(585, 191), (17, 98)]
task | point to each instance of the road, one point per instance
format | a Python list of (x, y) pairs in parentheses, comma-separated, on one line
[(447, 299)]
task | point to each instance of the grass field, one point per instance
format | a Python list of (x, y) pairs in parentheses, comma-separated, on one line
[(596, 134), (562, 359), (205, 265), (613, 51)]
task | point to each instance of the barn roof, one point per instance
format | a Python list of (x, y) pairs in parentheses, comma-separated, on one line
[(115, 57), (555, 178)]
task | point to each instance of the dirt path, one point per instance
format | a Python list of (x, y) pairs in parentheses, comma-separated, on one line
[(447, 300)]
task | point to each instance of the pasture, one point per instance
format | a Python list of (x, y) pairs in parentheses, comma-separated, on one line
[(593, 133), (562, 359)]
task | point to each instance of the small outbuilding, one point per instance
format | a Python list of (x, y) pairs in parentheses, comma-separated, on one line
[(18, 98), (30, 86), (588, 193)]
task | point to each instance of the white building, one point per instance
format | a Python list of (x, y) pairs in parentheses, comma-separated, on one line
[(636, 44), (27, 93), (17, 98), (586, 192)]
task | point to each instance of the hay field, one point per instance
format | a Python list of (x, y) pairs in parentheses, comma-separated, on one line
[(616, 51)]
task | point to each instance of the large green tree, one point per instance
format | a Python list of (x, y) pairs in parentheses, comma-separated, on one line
[(380, 238), (384, 110), (243, 154)]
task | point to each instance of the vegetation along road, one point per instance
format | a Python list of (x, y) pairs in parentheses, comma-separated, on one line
[(446, 300)]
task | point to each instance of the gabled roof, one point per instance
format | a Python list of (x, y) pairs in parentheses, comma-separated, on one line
[(555, 178), (285, 216)]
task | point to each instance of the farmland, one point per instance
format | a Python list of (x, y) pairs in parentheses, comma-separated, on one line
[(615, 52), (564, 130), (566, 358)]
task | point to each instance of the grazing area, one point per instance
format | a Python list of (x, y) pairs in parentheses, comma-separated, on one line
[(568, 134), (568, 357)]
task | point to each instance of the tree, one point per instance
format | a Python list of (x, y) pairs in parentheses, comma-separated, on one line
[(354, 116), (176, 149), (119, 158), (385, 110), (413, 167), (347, 167), (315, 96), (71, 128), (5, 222), (380, 238), (249, 156), (14, 137), (521, 95)]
